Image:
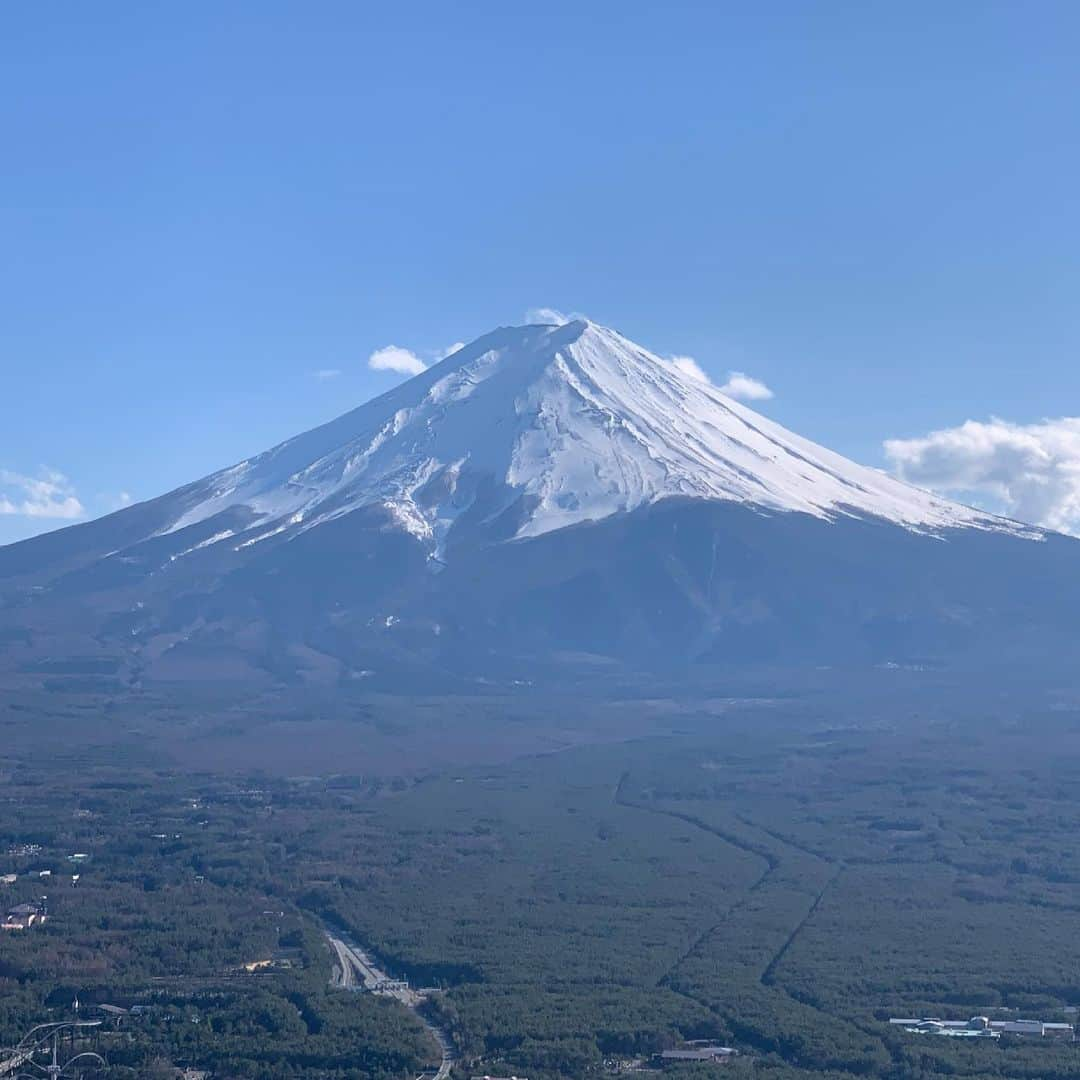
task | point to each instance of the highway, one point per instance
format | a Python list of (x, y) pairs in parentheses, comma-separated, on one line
[(356, 970)]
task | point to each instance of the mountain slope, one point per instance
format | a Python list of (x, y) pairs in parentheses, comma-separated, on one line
[(472, 519), (574, 421)]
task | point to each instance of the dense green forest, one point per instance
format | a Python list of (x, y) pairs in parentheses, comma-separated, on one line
[(766, 881)]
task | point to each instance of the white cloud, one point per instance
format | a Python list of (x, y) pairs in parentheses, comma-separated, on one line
[(326, 373), (1030, 471), (395, 358), (550, 316), (739, 385), (545, 315), (689, 366), (745, 388), (120, 500), (404, 361), (50, 494)]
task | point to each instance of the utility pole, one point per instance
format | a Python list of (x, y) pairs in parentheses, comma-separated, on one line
[(54, 1068)]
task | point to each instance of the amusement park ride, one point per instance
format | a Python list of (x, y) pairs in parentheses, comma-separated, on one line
[(22, 1062)]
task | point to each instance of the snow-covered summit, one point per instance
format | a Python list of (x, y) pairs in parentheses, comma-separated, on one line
[(548, 502), (566, 424)]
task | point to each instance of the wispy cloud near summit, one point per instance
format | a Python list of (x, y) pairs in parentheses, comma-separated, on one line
[(395, 358), (689, 366), (739, 385), (744, 387), (551, 316), (405, 362)]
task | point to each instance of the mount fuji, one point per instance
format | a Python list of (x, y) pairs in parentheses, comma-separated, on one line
[(547, 498)]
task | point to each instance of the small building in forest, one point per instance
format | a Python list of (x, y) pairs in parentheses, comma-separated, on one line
[(23, 916), (697, 1053)]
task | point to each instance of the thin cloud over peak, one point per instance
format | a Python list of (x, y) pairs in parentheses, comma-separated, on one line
[(550, 316)]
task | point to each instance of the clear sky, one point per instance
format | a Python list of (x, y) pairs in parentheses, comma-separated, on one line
[(207, 210)]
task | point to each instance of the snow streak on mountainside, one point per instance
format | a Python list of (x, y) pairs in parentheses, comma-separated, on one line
[(549, 499), (572, 423)]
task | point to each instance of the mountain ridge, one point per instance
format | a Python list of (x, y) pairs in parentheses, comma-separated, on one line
[(575, 419), (478, 517)]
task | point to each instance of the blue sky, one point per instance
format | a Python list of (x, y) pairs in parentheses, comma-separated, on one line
[(871, 208)]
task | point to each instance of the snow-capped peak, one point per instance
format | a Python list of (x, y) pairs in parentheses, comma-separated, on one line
[(568, 424)]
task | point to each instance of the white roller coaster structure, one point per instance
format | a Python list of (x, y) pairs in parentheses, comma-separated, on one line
[(38, 1039)]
